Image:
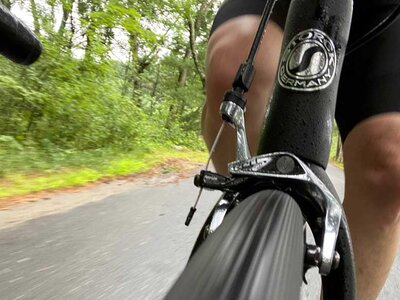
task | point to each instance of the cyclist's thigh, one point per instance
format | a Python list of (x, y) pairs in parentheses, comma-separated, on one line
[(231, 37), (236, 8), (370, 80)]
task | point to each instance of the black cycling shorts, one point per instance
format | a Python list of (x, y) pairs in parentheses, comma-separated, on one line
[(370, 79)]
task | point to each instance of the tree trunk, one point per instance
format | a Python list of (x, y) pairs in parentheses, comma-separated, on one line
[(171, 116), (134, 49), (65, 15), (90, 36), (192, 40), (7, 3), (71, 38), (194, 26), (339, 150), (36, 24), (183, 70)]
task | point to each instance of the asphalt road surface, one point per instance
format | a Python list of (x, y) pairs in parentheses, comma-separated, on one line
[(130, 245)]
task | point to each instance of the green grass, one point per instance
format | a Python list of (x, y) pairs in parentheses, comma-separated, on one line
[(37, 173), (29, 170)]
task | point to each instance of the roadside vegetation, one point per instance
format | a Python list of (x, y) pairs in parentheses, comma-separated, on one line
[(118, 89), (79, 168), (336, 153)]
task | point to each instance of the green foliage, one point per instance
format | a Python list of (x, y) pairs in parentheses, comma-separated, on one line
[(79, 97), (115, 78)]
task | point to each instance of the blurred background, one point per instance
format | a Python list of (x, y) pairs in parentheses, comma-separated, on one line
[(117, 80)]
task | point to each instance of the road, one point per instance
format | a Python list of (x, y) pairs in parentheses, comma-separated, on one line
[(128, 245)]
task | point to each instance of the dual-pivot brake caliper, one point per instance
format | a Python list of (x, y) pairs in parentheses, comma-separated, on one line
[(287, 172)]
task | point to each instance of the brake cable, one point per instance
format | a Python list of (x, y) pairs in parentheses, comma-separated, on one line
[(193, 208), (241, 85)]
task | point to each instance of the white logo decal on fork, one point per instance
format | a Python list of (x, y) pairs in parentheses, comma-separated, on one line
[(309, 62)]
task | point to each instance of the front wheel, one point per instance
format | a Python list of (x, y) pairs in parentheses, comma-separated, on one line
[(256, 253)]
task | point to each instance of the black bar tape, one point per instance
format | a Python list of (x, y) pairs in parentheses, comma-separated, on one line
[(17, 42)]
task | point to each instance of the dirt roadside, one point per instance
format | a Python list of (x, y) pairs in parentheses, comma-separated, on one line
[(16, 210)]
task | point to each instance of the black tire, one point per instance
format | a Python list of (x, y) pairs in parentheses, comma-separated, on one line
[(257, 253)]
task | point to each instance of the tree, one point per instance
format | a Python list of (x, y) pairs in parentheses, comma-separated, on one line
[(339, 150), (80, 95)]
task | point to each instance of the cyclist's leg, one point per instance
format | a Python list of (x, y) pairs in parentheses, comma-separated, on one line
[(369, 120), (228, 47), (372, 199)]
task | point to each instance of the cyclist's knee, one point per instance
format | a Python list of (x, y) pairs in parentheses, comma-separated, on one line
[(372, 159), (224, 57), (229, 46)]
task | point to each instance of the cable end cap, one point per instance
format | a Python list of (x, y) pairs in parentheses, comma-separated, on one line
[(190, 216)]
